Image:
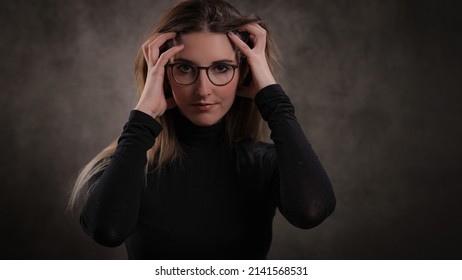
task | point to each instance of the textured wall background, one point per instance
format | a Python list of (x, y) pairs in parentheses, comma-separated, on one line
[(376, 85)]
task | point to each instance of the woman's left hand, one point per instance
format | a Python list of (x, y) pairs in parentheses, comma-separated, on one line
[(256, 58)]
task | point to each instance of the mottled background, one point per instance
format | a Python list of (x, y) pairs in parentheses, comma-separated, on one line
[(376, 85)]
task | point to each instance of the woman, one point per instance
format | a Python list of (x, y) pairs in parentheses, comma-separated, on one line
[(190, 177)]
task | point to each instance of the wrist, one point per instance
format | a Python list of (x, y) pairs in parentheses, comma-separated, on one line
[(146, 111), (266, 78)]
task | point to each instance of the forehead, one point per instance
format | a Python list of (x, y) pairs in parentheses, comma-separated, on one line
[(204, 48)]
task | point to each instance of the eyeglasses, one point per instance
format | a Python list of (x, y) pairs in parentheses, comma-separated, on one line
[(219, 74)]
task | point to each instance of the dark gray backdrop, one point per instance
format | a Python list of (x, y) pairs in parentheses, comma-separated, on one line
[(376, 86)]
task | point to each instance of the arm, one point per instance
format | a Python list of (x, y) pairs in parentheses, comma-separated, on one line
[(111, 210), (306, 196)]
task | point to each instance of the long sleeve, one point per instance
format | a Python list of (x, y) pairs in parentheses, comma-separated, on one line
[(111, 211), (305, 196)]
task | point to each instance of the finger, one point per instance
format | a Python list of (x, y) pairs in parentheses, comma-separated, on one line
[(155, 45), (253, 28), (160, 36), (169, 35), (241, 45), (257, 35), (145, 48), (165, 57), (158, 70), (152, 45)]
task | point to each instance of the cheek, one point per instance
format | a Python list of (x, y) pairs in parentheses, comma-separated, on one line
[(229, 91), (229, 95), (177, 90)]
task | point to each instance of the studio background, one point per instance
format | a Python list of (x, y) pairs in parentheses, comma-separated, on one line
[(376, 87)]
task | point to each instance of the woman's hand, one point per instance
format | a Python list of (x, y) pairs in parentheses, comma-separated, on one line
[(256, 58), (152, 101)]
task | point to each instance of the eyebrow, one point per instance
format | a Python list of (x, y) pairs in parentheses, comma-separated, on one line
[(229, 61)]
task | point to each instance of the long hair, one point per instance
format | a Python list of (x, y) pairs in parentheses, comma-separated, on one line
[(243, 119)]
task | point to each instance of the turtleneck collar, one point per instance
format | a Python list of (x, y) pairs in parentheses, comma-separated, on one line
[(194, 135)]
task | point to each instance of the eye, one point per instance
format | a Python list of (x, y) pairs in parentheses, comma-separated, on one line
[(184, 68), (221, 68)]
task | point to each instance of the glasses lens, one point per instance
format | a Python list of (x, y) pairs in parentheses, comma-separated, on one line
[(220, 74), (184, 74)]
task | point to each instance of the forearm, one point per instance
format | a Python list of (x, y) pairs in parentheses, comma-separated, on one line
[(112, 208), (306, 196)]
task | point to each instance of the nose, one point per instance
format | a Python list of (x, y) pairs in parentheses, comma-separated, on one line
[(203, 84)]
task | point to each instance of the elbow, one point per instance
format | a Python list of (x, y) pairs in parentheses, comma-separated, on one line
[(310, 217), (104, 235), (306, 220), (108, 237)]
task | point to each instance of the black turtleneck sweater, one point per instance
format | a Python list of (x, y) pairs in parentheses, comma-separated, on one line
[(216, 202)]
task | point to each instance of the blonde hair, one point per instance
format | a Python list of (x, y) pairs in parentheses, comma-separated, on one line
[(242, 121)]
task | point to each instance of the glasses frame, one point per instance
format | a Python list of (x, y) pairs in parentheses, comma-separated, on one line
[(171, 65)]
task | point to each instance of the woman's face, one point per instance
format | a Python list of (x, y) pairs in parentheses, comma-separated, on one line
[(202, 102)]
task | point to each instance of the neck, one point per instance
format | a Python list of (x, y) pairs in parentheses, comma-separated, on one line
[(195, 135)]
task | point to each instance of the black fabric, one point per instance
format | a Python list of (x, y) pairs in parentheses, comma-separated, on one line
[(216, 202)]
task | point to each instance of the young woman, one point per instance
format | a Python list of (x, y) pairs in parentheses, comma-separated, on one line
[(191, 177)]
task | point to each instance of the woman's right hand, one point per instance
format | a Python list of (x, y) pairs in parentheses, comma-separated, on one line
[(152, 100)]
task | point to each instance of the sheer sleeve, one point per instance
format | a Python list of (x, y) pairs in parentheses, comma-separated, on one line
[(111, 211), (305, 196)]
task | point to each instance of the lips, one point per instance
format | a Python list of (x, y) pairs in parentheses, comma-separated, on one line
[(204, 106)]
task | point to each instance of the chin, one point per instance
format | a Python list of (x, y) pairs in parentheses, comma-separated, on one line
[(203, 123), (205, 120)]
